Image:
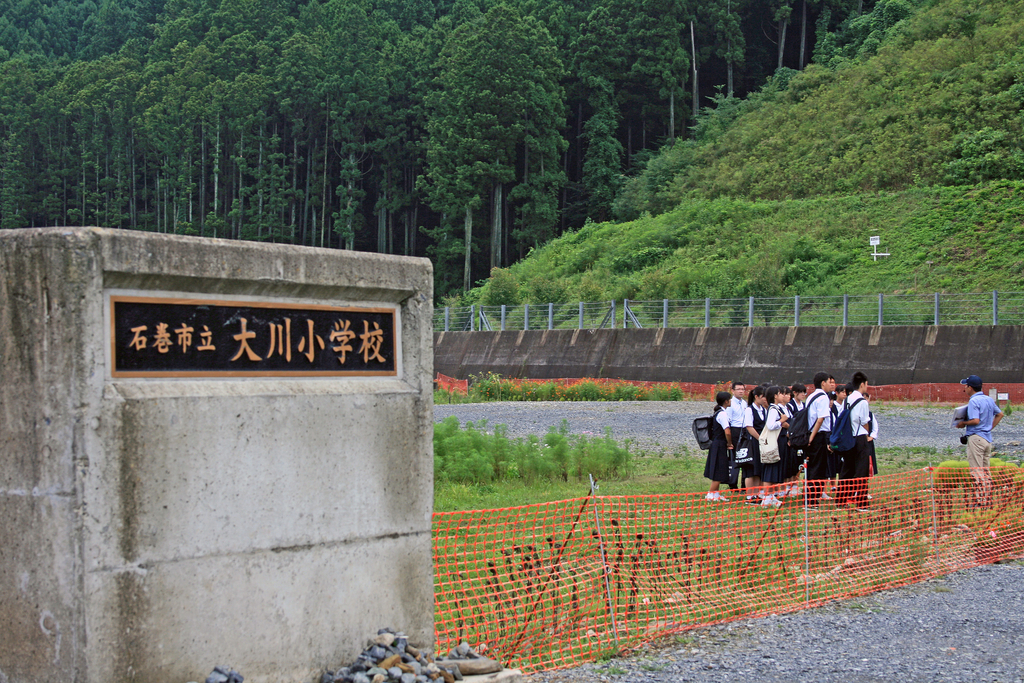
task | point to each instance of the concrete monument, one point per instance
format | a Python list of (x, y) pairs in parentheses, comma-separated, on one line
[(211, 452)]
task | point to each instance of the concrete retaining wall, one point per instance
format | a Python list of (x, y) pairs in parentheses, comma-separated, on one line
[(889, 355), (154, 528)]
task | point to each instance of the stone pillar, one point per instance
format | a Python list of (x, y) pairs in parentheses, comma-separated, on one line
[(167, 511)]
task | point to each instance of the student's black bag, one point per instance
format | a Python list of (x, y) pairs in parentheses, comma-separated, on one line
[(842, 438), (702, 431), (799, 429)]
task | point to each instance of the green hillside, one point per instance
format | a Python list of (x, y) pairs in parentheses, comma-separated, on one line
[(911, 132), (952, 239)]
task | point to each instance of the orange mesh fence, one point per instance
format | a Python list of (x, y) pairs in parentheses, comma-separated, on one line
[(451, 384), (559, 584)]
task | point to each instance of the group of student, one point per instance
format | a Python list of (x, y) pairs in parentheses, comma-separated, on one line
[(739, 424)]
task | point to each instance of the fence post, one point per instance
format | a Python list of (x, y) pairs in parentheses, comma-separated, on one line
[(879, 310), (551, 316), (936, 309), (846, 310), (613, 314), (935, 524), (625, 318), (707, 312), (447, 317), (503, 317), (796, 311), (664, 312), (995, 307), (581, 315), (750, 313), (604, 561), (526, 316)]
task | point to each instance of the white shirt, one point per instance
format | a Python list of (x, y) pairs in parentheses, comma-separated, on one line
[(748, 415), (874, 426), (817, 408), (736, 411), (860, 414), (775, 414), (722, 418)]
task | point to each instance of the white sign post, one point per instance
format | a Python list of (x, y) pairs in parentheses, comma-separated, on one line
[(874, 241)]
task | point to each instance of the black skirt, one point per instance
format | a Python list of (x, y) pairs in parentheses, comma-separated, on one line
[(716, 468), (775, 473)]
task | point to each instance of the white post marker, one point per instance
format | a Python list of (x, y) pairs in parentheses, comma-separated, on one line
[(874, 241)]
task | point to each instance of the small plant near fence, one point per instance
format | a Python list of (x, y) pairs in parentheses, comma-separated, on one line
[(472, 454), (494, 387)]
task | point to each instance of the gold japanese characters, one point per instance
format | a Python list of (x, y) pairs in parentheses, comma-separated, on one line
[(160, 337)]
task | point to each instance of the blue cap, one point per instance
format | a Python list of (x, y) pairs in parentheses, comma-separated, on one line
[(973, 382)]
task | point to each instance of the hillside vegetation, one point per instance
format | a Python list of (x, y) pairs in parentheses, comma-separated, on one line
[(915, 136), (954, 239)]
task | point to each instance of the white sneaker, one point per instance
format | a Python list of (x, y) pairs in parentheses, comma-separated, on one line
[(795, 491), (715, 495), (825, 496), (771, 502)]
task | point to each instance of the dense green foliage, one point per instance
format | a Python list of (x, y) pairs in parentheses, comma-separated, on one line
[(385, 125), (471, 454), (913, 98), (952, 239)]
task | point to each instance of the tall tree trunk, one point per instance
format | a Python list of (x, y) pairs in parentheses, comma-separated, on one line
[(783, 25), (696, 84), (728, 72), (803, 34), (672, 116), (496, 227), (304, 224), (382, 221), (323, 203), (295, 185), (469, 244), (350, 241)]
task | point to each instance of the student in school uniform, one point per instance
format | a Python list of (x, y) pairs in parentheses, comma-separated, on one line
[(853, 484), (753, 422), (819, 417), (774, 474), (872, 436), (797, 397), (716, 468), (735, 413), (789, 457)]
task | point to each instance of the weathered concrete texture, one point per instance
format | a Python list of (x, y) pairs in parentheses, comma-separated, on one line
[(155, 528), (889, 355)]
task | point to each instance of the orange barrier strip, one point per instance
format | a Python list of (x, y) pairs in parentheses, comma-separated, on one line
[(926, 392), (532, 587)]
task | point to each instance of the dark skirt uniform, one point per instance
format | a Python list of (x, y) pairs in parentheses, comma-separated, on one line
[(775, 473), (716, 468)]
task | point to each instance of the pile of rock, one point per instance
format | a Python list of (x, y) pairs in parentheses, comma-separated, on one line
[(390, 658)]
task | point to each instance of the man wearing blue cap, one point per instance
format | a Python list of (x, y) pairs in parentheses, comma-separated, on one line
[(982, 416)]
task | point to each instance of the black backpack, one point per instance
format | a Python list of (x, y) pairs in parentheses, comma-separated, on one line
[(842, 437), (799, 429), (702, 430)]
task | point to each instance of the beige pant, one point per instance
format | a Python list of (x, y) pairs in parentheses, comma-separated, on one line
[(979, 454)]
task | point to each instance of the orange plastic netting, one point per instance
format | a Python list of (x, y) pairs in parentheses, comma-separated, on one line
[(559, 584)]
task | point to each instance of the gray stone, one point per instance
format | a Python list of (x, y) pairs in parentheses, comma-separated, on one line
[(408, 678), (395, 672)]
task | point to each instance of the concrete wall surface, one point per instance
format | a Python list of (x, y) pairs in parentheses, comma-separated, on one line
[(889, 355), (154, 528)]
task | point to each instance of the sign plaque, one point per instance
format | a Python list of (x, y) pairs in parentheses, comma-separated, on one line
[(169, 337)]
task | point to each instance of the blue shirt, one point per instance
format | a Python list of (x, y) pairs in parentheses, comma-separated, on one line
[(984, 409)]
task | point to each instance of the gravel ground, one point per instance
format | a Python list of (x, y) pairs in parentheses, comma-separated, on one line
[(665, 425), (964, 627)]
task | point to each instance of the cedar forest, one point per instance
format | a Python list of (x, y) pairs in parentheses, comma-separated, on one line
[(468, 131)]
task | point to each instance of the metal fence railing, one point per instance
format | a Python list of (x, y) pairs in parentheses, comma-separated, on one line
[(983, 308)]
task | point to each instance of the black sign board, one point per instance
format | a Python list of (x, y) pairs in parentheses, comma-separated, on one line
[(157, 337)]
